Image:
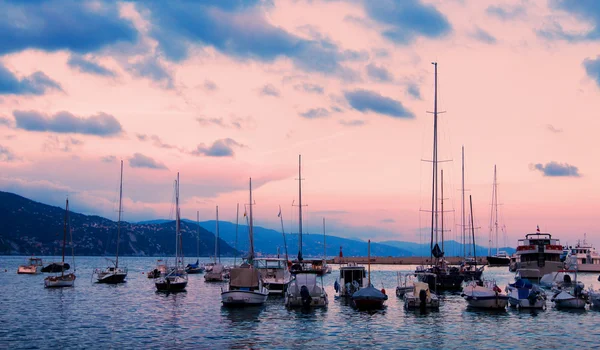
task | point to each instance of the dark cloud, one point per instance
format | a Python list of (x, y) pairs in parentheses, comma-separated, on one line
[(35, 84), (6, 154), (379, 73), (408, 19), (413, 90), (85, 65), (108, 159), (483, 36), (354, 122), (311, 88), (592, 68), (150, 67), (62, 25), (584, 10), (370, 101), (315, 113), (141, 161), (219, 148), (506, 12), (101, 124), (556, 169), (269, 90)]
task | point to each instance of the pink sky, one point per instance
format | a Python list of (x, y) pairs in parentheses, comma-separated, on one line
[(514, 96)]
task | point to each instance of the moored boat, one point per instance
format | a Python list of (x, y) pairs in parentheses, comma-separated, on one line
[(63, 280), (33, 267), (421, 297), (369, 298), (404, 284), (351, 279), (588, 259), (524, 295), (484, 295), (275, 274), (216, 272), (539, 251), (196, 268)]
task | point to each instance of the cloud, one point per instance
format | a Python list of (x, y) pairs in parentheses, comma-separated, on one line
[(379, 73), (238, 29), (6, 122), (54, 143), (101, 124), (551, 127), (388, 221), (586, 11), (35, 84), (370, 101), (413, 90), (219, 148), (592, 68), (108, 159), (269, 90), (156, 141), (408, 19), (506, 12), (85, 65), (141, 161), (556, 169), (483, 36), (150, 67), (315, 113), (311, 88), (234, 122), (62, 25), (209, 85), (353, 55), (6, 154), (354, 122)]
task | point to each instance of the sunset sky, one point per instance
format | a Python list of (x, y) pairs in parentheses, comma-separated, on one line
[(221, 91)]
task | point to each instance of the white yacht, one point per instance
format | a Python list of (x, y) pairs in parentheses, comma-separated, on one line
[(538, 251), (275, 274), (588, 259)]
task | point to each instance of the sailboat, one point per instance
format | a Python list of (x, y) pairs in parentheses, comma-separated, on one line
[(114, 274), (176, 279), (304, 291), (326, 268), (439, 275), (501, 258), (245, 283), (62, 280), (369, 298), (196, 268), (216, 272)]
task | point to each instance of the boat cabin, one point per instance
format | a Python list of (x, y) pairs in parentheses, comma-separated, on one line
[(244, 278)]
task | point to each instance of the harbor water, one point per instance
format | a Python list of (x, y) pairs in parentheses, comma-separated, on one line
[(134, 315)]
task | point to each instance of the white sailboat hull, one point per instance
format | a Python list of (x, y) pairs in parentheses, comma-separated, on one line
[(243, 297), (60, 281)]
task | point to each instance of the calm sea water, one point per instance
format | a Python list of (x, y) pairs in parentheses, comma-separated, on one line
[(133, 315)]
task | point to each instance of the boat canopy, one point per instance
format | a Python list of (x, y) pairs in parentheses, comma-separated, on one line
[(369, 293), (306, 279), (243, 277)]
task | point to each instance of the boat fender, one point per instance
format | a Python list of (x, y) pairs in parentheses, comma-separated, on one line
[(383, 291)]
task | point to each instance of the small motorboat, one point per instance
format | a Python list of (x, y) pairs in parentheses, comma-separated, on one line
[(421, 298), (159, 270), (304, 291), (484, 295), (550, 279), (33, 267), (524, 295), (404, 285), (594, 298), (369, 298), (216, 274), (570, 299)]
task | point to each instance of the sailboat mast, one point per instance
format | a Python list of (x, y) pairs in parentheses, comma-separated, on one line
[(369, 259), (496, 208), (324, 242), (251, 256), (119, 220), (198, 235), (217, 251), (442, 213), (177, 241), (65, 237), (434, 213), (283, 233), (237, 221), (473, 229), (463, 221), (300, 208)]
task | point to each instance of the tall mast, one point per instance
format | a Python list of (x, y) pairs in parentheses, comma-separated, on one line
[(251, 255), (217, 251), (473, 230), (369, 259), (65, 237), (324, 242), (237, 221), (177, 240), (496, 208), (434, 212), (442, 199), (119, 220), (463, 221), (283, 233), (300, 208), (198, 235)]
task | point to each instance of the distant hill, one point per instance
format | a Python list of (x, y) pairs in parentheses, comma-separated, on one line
[(29, 227), (451, 248)]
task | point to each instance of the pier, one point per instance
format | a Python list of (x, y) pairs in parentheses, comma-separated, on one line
[(397, 260)]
